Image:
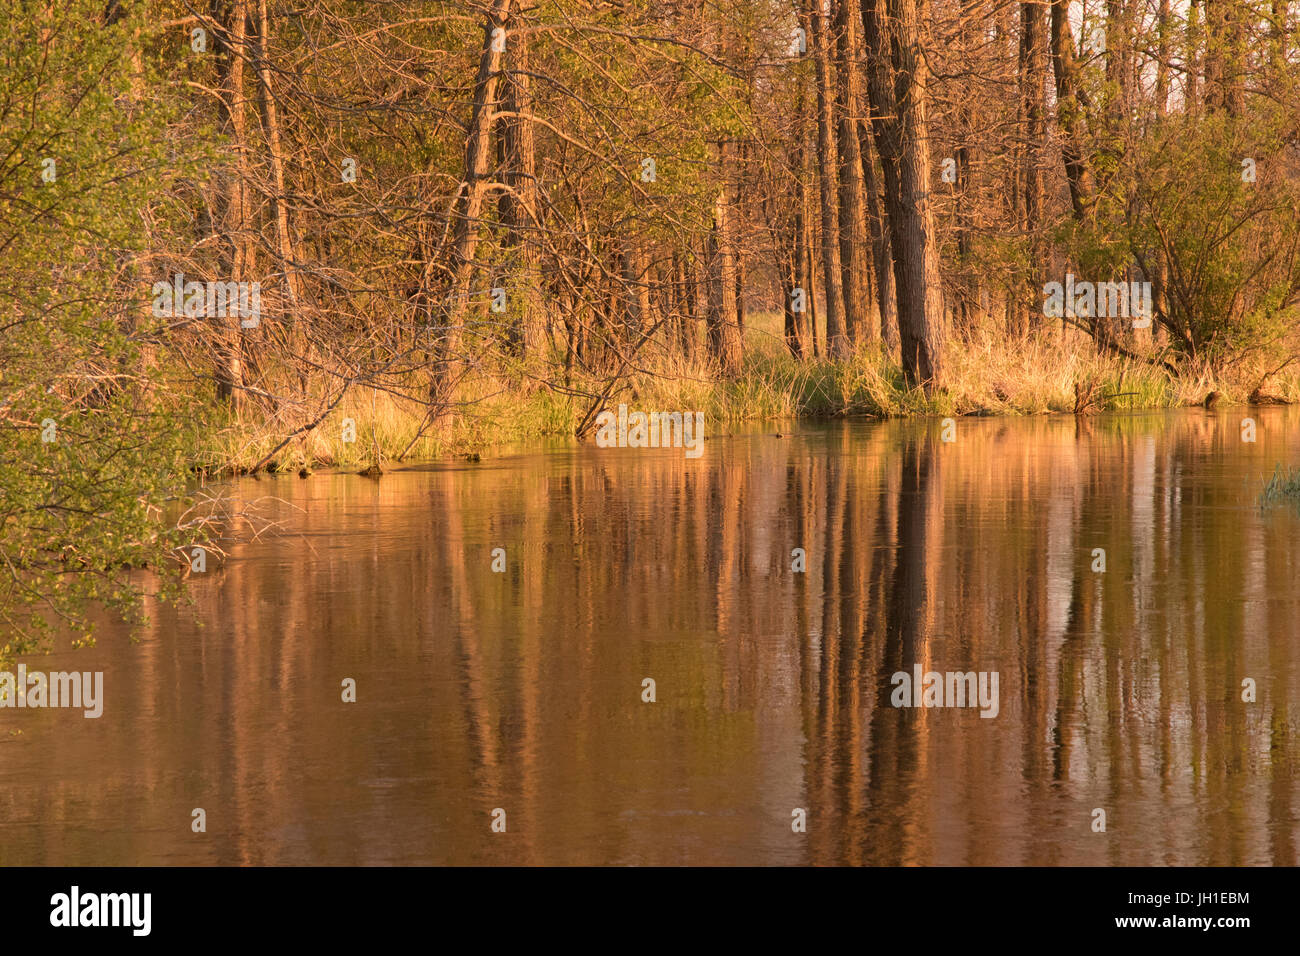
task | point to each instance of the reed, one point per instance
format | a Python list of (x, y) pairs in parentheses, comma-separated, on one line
[(1282, 487)]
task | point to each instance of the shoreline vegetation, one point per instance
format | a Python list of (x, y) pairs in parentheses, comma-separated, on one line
[(1282, 487), (1038, 374)]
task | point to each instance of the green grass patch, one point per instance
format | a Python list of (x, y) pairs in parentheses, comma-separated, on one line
[(1283, 487)]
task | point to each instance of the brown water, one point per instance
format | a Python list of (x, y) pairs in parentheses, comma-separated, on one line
[(523, 690)]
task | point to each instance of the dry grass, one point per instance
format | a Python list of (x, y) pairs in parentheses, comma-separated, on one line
[(987, 374)]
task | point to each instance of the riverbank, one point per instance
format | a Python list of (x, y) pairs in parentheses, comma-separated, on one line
[(989, 375)]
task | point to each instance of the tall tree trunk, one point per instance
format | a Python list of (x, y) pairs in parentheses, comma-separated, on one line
[(1193, 91), (737, 239), (740, 277), (1069, 110), (681, 304), (810, 274), (275, 148), (801, 347), (1119, 61), (518, 205), (1225, 56), (236, 221), (896, 80), (1277, 45), (827, 163), (796, 332), (1033, 78), (469, 202), (1163, 31), (881, 249), (636, 289), (790, 282), (971, 38), (696, 270), (805, 219), (724, 331), (855, 264)]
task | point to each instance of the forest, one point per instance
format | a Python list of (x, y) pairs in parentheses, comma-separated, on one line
[(249, 237)]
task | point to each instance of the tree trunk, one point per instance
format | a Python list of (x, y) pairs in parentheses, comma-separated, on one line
[(518, 205), (827, 162), (699, 294), (796, 330), (896, 80), (1162, 58), (855, 263), (236, 222), (1225, 57), (1069, 110), (279, 203), (810, 277), (881, 254), (1193, 92), (636, 290), (737, 239), (724, 332), (681, 304), (1033, 77), (469, 203)]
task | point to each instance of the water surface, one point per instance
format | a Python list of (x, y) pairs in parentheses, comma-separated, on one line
[(523, 690)]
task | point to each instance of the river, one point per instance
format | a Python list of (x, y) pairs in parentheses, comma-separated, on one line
[(523, 690)]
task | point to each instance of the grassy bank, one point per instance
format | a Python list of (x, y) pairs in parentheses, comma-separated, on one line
[(987, 374)]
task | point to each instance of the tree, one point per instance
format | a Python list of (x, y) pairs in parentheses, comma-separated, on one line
[(896, 82)]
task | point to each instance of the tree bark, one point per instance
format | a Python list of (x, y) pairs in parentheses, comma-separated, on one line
[(275, 149), (236, 221), (1033, 77), (1225, 57), (518, 206), (828, 163), (796, 327), (896, 81), (855, 262), (1162, 58), (1069, 110), (881, 254), (636, 290), (468, 205), (724, 331)]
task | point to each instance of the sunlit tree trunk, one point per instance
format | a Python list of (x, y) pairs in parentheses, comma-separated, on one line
[(1069, 110), (827, 164), (468, 206), (236, 222), (519, 200), (1033, 79), (724, 331), (796, 323), (275, 150), (1163, 36), (896, 81), (855, 263)]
